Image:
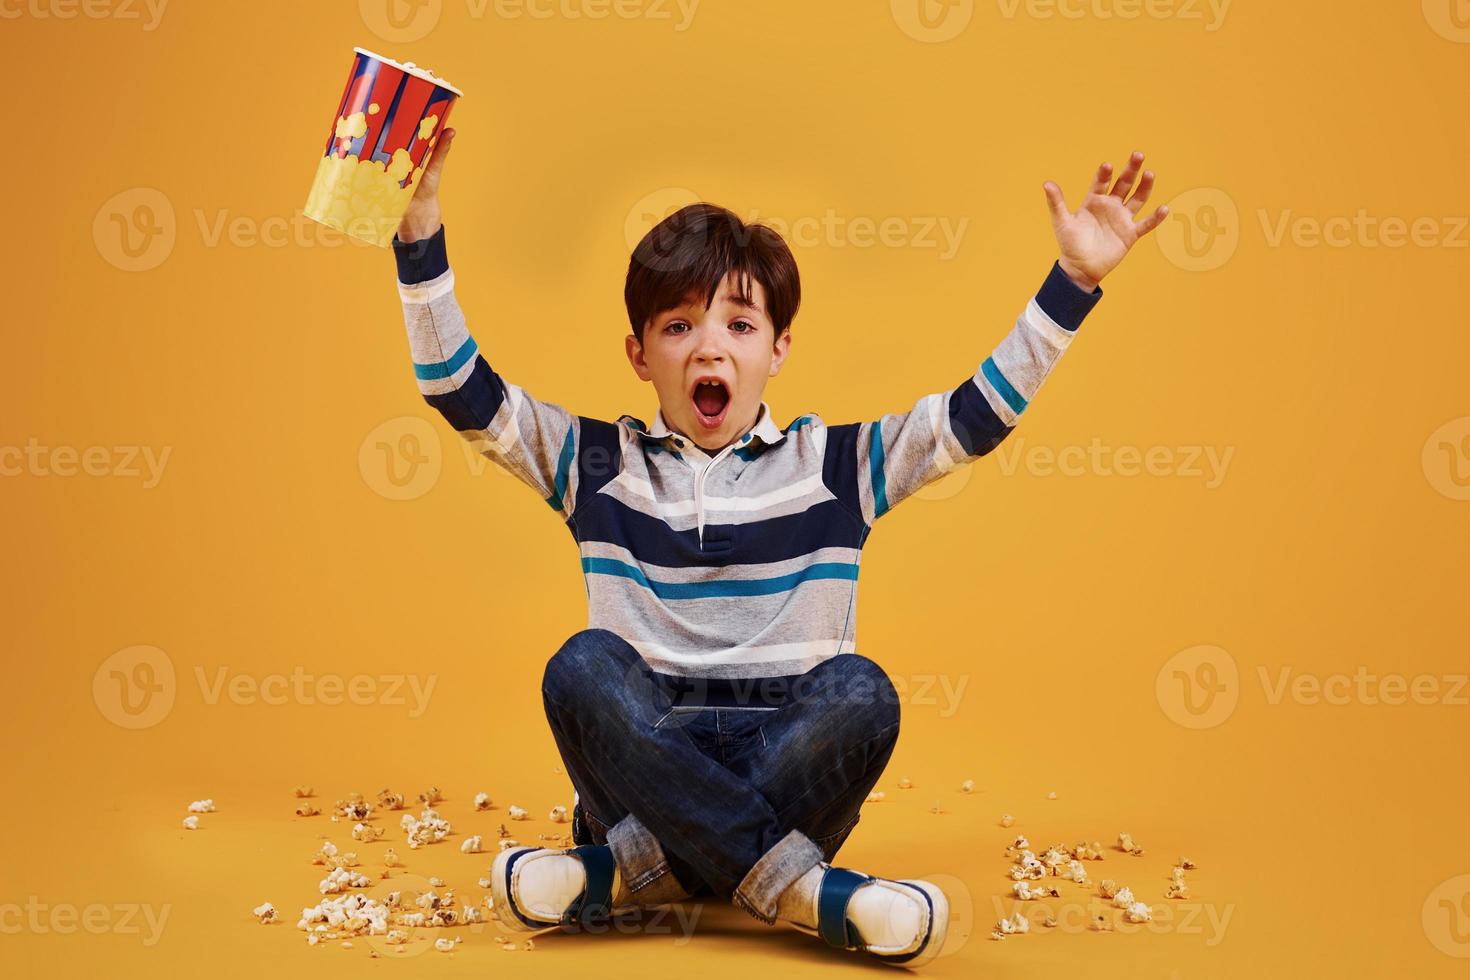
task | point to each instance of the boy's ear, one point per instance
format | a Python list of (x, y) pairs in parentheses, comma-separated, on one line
[(635, 357), (779, 350)]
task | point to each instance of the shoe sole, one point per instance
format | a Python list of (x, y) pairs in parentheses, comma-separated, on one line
[(938, 924)]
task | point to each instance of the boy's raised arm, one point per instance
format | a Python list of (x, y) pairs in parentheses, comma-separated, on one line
[(534, 440), (872, 466)]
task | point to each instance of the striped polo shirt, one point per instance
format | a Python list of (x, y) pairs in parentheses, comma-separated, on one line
[(744, 563)]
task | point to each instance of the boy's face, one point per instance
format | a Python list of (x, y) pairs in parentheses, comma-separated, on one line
[(731, 342)]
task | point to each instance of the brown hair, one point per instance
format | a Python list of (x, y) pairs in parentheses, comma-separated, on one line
[(692, 250)]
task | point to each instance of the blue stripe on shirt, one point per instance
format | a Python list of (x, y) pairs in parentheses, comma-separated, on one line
[(845, 571), (444, 369), (1002, 387)]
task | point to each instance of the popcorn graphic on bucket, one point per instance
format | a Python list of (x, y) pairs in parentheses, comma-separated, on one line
[(385, 128)]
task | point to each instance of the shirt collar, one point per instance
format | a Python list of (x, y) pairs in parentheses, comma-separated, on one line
[(765, 429)]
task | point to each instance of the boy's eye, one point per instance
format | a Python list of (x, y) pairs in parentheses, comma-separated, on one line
[(743, 323), (676, 323)]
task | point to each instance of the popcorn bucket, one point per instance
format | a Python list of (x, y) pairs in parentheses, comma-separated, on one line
[(385, 128)]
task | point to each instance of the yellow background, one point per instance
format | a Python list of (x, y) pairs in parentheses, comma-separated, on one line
[(1334, 541)]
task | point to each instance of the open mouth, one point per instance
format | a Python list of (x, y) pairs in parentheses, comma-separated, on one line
[(711, 402)]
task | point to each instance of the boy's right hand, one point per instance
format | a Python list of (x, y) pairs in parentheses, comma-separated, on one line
[(422, 219)]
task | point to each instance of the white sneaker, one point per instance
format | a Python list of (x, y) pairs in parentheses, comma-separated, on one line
[(539, 888), (902, 923)]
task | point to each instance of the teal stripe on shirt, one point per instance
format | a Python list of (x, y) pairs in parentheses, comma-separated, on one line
[(563, 467), (720, 588), (1002, 386), (875, 470), (457, 360)]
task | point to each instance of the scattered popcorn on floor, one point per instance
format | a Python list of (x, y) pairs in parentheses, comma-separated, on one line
[(366, 832), (1052, 795), (390, 858), (302, 792), (558, 814), (430, 796), (482, 801), (518, 813), (471, 845), (1007, 820), (1139, 912), (191, 823), (435, 881), (484, 883), (202, 806), (265, 912), (1107, 888), (307, 810), (1123, 898), (1125, 843), (388, 800), (444, 945), (968, 786), (936, 808), (905, 783), (429, 828), (876, 796), (509, 842), (529, 944)]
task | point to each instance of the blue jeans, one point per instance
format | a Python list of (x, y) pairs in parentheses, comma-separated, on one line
[(738, 800)]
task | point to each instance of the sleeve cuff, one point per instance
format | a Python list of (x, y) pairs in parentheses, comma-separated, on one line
[(422, 260), (1061, 299)]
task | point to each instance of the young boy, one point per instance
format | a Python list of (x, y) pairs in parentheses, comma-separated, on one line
[(719, 728)]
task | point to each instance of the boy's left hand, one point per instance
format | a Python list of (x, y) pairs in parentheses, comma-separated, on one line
[(1094, 240)]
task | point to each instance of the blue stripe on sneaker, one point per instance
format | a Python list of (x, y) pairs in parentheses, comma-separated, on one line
[(443, 369), (1002, 387)]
